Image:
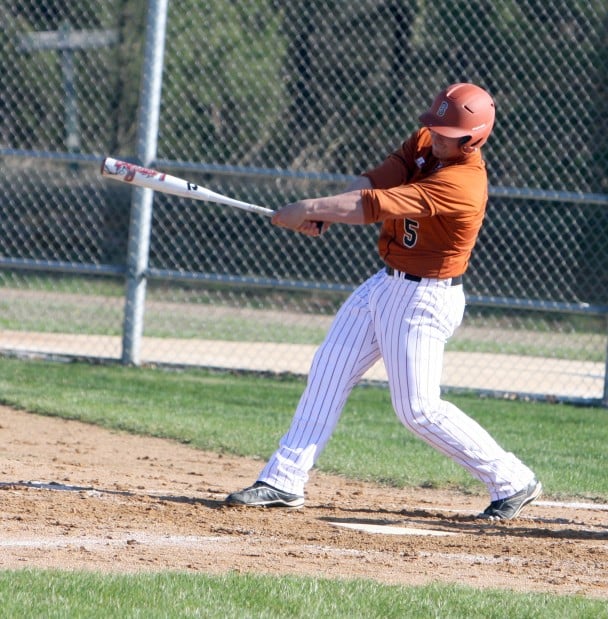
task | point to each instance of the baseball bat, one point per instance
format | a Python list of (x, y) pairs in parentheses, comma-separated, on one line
[(126, 172)]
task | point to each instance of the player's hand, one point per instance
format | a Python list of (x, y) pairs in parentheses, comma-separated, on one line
[(314, 228), (293, 216)]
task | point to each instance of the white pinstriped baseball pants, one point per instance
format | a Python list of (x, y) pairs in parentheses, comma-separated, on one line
[(407, 324)]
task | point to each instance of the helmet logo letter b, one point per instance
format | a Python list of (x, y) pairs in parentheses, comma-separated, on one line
[(443, 108)]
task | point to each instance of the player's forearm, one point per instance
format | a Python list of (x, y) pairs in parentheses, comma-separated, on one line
[(343, 208), (305, 215)]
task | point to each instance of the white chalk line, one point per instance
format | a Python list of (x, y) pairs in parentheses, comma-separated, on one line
[(589, 506), (125, 540), (198, 543)]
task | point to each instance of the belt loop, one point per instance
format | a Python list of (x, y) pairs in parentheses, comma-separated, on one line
[(402, 274), (454, 281)]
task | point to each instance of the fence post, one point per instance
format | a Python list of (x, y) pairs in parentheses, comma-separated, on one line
[(141, 204)]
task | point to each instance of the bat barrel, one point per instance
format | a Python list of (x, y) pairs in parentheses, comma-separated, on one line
[(165, 183)]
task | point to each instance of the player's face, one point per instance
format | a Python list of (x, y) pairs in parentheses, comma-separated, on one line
[(445, 148)]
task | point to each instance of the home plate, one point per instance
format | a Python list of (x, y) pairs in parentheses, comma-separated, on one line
[(390, 530)]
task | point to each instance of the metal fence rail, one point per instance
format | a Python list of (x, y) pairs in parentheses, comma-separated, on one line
[(278, 104)]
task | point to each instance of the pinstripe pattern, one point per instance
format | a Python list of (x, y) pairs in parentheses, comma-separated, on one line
[(407, 324)]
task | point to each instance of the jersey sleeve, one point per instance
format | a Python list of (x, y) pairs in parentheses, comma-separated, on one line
[(454, 191), (393, 203)]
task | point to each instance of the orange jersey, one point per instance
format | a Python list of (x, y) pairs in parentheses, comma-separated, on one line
[(431, 212)]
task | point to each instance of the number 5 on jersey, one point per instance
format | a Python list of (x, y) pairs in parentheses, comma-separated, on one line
[(410, 232)]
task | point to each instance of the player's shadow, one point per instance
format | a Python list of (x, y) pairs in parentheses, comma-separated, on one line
[(56, 486)]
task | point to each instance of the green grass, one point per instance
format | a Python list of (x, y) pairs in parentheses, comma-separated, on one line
[(97, 313), (94, 317), (523, 343), (53, 594), (246, 415)]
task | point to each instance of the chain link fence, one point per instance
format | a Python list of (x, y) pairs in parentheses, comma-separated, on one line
[(267, 102)]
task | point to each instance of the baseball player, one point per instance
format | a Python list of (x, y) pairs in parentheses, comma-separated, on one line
[(430, 197)]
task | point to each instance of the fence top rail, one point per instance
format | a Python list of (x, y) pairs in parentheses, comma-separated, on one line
[(519, 193)]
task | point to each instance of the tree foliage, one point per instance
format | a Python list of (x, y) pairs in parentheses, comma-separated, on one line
[(324, 86)]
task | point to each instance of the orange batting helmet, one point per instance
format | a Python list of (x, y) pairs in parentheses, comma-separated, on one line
[(462, 110)]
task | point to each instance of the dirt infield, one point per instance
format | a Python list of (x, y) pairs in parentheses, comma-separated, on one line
[(74, 496)]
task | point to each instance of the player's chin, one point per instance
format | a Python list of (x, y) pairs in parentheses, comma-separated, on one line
[(438, 151)]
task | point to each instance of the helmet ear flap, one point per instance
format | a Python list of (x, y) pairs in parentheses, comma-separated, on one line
[(467, 146)]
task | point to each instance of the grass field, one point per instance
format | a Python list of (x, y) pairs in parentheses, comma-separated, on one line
[(245, 415), (53, 594)]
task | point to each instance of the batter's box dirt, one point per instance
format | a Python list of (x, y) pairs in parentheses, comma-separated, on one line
[(74, 496)]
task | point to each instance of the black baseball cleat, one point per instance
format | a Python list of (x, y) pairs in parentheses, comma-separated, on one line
[(262, 494), (506, 509)]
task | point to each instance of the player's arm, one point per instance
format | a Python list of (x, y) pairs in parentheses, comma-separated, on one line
[(305, 215), (302, 216)]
